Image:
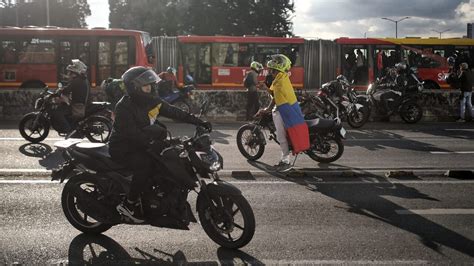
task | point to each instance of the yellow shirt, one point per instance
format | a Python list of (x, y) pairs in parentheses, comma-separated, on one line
[(283, 91)]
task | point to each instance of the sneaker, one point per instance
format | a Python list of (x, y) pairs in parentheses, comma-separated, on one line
[(283, 167), (130, 210)]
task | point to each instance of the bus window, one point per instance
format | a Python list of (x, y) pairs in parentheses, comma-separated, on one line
[(246, 54), (264, 51), (224, 54), (65, 57), (384, 56), (83, 51), (121, 58), (355, 63), (197, 62), (37, 51), (8, 52), (421, 58), (104, 61)]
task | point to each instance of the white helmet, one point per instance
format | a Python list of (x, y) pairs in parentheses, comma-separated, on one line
[(77, 67)]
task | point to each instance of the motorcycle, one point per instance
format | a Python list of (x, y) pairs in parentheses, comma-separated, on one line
[(96, 126), (325, 138), (402, 101), (97, 185), (179, 97)]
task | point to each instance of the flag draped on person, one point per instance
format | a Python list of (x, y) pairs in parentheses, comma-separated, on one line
[(290, 111)]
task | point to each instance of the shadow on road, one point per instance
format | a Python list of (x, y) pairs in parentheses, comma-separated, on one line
[(47, 158), (100, 249), (369, 198)]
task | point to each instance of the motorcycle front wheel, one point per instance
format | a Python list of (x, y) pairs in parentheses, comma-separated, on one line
[(31, 131), (249, 142), (411, 112), (183, 106), (357, 118), (328, 151), (227, 219), (98, 129)]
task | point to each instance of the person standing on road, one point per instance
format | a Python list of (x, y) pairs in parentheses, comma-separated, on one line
[(251, 83), (465, 80)]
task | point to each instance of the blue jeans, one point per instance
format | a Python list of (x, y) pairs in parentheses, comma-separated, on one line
[(467, 97)]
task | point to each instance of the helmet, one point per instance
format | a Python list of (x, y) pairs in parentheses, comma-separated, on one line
[(279, 62), (137, 77), (401, 66), (451, 60), (256, 65), (343, 80), (171, 70), (77, 67), (464, 65)]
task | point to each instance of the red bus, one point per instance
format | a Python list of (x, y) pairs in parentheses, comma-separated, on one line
[(33, 57), (221, 61), (363, 60)]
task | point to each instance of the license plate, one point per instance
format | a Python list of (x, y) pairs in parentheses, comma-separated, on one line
[(343, 132)]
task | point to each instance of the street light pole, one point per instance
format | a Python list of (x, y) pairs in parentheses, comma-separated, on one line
[(47, 12), (441, 32), (396, 24)]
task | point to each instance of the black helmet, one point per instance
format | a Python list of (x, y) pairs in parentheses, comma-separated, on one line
[(137, 77), (451, 60)]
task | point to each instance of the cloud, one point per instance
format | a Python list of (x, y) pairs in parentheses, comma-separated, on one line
[(356, 18)]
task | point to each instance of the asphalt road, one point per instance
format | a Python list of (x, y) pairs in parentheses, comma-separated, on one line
[(306, 217)]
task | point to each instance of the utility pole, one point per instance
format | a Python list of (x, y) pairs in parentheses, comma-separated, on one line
[(47, 12), (396, 24)]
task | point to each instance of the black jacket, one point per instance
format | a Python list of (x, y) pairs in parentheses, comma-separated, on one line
[(80, 90), (131, 117), (465, 80)]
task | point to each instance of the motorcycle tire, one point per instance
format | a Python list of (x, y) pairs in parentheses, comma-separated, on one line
[(183, 106), (248, 142), (357, 118), (91, 249), (26, 124), (71, 204), (411, 112), (231, 214), (98, 129), (313, 154)]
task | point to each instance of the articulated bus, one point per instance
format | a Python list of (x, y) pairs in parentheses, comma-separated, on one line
[(221, 61), (34, 57), (363, 60)]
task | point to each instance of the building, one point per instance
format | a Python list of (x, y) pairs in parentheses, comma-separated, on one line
[(470, 30)]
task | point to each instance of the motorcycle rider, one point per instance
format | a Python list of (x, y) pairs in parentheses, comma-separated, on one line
[(284, 95), (466, 82), (78, 91), (129, 139), (168, 82), (251, 83), (390, 86)]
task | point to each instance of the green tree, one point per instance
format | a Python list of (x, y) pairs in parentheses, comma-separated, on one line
[(66, 13), (205, 17)]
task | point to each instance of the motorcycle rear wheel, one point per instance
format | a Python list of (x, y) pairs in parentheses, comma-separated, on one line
[(98, 129), (71, 205), (249, 142), (33, 134), (336, 149), (411, 112), (183, 106), (232, 224)]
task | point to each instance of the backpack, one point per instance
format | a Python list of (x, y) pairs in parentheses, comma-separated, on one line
[(248, 81)]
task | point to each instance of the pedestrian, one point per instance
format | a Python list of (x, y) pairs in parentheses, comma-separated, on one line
[(465, 80), (251, 83)]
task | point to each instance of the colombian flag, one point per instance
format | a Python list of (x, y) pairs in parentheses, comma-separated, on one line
[(290, 111)]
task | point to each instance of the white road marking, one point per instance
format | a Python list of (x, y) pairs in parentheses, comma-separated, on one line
[(434, 211), (456, 129), (452, 152), (52, 139)]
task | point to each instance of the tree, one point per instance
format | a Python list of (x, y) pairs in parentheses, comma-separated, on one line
[(65, 13), (205, 17)]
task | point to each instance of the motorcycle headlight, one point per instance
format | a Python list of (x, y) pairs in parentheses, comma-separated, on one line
[(210, 160)]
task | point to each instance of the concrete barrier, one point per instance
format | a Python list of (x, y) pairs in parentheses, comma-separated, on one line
[(438, 105)]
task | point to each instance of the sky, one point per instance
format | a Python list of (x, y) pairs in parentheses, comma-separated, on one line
[(330, 19)]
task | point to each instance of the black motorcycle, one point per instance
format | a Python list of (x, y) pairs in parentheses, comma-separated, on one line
[(403, 98), (97, 185), (96, 126), (325, 136), (337, 96)]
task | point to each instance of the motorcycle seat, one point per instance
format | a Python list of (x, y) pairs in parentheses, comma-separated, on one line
[(100, 152), (319, 123)]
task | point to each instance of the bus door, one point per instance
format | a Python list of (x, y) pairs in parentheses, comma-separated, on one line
[(384, 56), (197, 62), (355, 63), (112, 58), (73, 49), (65, 55)]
